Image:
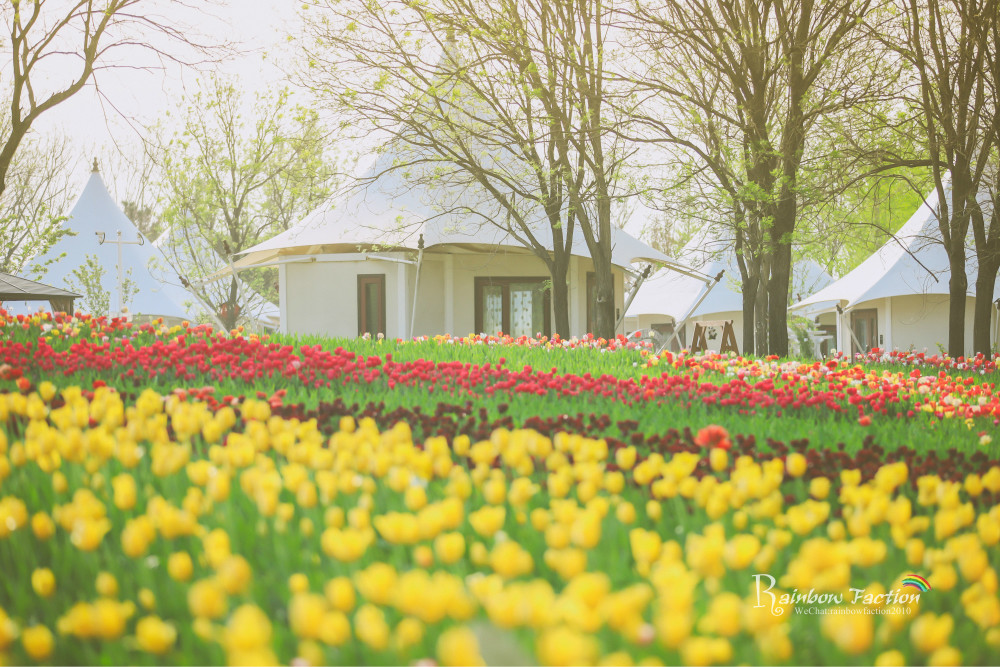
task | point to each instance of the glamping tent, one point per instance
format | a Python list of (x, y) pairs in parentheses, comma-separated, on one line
[(388, 257), (898, 297), (95, 217), (195, 252), (15, 289), (669, 300)]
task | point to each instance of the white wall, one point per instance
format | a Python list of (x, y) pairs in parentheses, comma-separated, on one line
[(917, 322), (321, 297), (921, 321)]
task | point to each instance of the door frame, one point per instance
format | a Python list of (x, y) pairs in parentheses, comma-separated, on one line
[(367, 279), (504, 282), (867, 313)]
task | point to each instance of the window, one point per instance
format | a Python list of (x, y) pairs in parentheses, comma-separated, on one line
[(371, 304), (592, 301), (515, 306)]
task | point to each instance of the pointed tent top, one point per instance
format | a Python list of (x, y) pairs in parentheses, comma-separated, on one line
[(159, 292), (913, 262), (95, 169)]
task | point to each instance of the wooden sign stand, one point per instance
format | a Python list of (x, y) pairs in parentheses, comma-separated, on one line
[(699, 342)]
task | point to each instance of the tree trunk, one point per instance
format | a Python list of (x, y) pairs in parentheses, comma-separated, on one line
[(777, 297), (958, 287), (604, 297), (231, 313), (760, 308), (749, 303), (985, 283), (560, 294)]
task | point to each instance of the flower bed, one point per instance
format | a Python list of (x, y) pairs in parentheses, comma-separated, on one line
[(122, 544)]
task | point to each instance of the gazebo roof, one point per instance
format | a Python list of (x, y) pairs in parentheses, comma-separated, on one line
[(15, 288)]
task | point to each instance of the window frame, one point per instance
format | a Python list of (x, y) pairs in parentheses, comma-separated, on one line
[(363, 280), (504, 282)]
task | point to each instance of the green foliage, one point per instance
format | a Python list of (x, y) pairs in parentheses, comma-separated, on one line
[(239, 171), (86, 281)]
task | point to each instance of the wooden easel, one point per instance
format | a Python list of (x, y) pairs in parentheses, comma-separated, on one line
[(699, 342)]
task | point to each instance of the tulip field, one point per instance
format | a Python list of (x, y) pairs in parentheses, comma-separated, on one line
[(184, 496)]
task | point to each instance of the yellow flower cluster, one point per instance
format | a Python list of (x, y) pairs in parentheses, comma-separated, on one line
[(278, 543)]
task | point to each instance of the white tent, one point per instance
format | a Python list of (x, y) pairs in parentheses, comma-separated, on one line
[(96, 212), (668, 299), (898, 297), (195, 252), (437, 264)]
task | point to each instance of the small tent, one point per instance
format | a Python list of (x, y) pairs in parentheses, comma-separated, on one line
[(669, 301), (95, 217), (898, 297)]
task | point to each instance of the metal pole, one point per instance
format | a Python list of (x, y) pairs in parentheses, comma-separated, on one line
[(121, 300), (704, 295), (416, 282), (635, 290)]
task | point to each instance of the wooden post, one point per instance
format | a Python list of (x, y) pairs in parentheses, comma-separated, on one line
[(699, 343), (729, 339)]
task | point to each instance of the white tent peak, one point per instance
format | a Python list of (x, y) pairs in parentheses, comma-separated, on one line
[(94, 212), (913, 261)]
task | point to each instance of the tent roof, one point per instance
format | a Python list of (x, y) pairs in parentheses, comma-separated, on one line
[(668, 293), (21, 289), (914, 262), (96, 211), (387, 212)]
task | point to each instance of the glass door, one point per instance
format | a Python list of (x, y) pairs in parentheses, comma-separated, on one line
[(864, 323), (514, 306)]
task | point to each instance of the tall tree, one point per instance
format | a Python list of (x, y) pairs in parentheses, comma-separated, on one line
[(755, 78), (56, 47), (513, 115), (236, 173), (38, 193), (953, 46)]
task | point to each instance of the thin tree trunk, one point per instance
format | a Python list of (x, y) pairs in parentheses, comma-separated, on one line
[(560, 295), (985, 283), (958, 287)]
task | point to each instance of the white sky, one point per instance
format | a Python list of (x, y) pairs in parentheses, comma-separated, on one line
[(138, 97)]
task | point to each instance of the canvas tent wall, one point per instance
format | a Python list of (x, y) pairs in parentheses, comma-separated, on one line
[(24, 292), (898, 297), (159, 295)]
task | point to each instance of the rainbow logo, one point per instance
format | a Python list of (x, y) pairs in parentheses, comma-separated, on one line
[(916, 581)]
